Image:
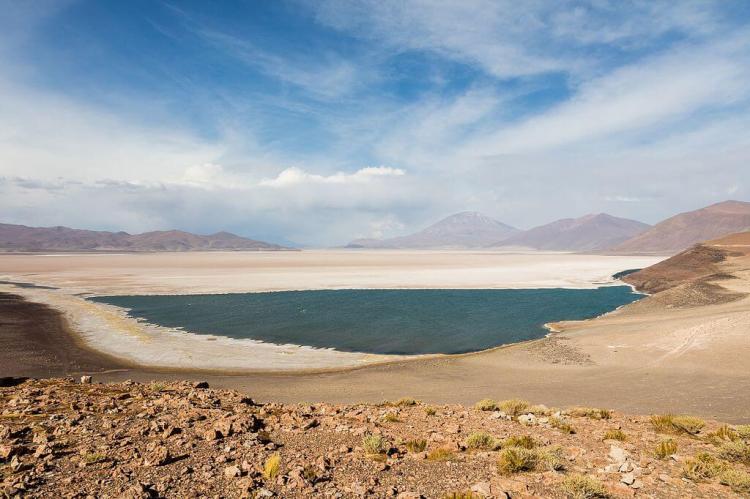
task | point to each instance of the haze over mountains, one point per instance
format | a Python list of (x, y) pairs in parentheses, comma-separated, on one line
[(22, 238), (593, 232), (686, 229), (467, 229), (599, 232)]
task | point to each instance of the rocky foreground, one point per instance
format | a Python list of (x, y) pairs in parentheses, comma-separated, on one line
[(81, 439)]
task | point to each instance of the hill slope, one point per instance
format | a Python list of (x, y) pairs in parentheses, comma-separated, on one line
[(462, 230), (682, 231), (698, 265), (587, 233), (23, 238)]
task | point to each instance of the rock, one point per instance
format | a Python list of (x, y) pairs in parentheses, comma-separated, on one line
[(618, 454), (409, 495), (8, 451), (232, 471), (202, 385), (263, 492), (482, 488), (627, 479), (637, 484), (626, 467), (156, 455), (527, 419), (665, 478), (211, 434), (85, 380)]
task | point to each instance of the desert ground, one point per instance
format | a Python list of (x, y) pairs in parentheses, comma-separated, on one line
[(671, 352)]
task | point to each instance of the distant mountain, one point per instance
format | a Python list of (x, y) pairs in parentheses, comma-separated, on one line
[(462, 230), (22, 238), (682, 231), (587, 233)]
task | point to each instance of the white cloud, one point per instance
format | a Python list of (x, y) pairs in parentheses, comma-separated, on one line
[(296, 176)]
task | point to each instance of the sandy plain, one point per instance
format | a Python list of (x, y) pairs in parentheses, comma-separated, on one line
[(647, 357)]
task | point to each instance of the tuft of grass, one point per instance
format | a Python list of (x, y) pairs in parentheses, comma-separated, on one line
[(467, 494), (516, 459), (513, 407), (665, 448), (157, 387), (735, 451), (416, 445), (405, 402), (482, 440), (591, 413), (550, 459), (615, 434), (430, 411), (669, 423), (743, 431), (702, 467), (441, 454), (583, 487), (540, 410), (93, 457), (688, 424), (562, 425), (391, 417), (738, 480), (272, 466), (486, 405), (724, 434), (523, 441), (310, 474), (374, 444), (662, 422)]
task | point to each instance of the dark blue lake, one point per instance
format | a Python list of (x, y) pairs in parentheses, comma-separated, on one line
[(381, 321)]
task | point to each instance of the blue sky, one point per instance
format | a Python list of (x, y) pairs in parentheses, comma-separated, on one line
[(319, 122)]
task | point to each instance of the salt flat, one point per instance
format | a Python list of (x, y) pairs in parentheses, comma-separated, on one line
[(109, 330), (226, 272)]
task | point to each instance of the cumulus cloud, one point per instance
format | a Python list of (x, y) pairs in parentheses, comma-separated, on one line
[(296, 176)]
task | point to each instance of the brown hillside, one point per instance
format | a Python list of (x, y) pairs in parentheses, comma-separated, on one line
[(686, 229)]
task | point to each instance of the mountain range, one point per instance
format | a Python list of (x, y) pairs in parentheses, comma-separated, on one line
[(467, 229), (601, 232), (593, 232), (23, 238)]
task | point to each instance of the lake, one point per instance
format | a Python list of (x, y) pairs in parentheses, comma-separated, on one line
[(382, 321)]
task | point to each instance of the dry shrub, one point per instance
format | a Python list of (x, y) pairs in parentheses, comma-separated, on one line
[(416, 445), (272, 466), (513, 407), (583, 487), (738, 480), (523, 441), (615, 434), (486, 405), (441, 454), (702, 467), (374, 444), (482, 440), (665, 448)]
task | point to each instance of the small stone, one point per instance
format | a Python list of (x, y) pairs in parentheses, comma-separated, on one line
[(263, 492), (637, 484), (527, 419), (85, 380), (665, 478), (200, 385), (627, 479), (618, 454), (232, 471), (157, 455), (626, 467), (482, 488)]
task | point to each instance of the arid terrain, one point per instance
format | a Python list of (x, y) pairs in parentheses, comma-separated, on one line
[(682, 350), (187, 440)]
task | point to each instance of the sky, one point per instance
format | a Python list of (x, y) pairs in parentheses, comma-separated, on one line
[(314, 123)]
